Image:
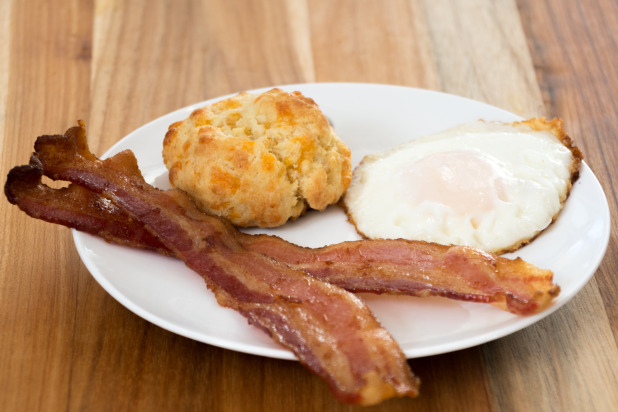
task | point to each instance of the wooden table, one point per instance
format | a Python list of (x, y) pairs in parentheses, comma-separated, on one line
[(65, 344)]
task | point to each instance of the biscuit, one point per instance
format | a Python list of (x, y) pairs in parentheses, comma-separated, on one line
[(258, 160)]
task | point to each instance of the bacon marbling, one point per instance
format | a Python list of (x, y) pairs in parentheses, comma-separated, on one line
[(330, 330)]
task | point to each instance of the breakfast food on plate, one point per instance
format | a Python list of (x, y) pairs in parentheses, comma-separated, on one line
[(417, 268), (258, 160), (398, 266), (489, 185), (287, 290), (331, 331), (377, 266)]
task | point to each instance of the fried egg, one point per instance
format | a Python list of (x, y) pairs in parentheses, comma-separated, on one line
[(489, 185)]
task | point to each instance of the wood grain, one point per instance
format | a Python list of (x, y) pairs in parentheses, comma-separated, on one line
[(65, 344), (576, 64), (47, 87)]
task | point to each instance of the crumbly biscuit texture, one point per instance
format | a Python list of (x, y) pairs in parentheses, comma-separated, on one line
[(258, 160)]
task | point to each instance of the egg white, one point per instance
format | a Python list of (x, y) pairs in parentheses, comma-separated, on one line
[(488, 185)]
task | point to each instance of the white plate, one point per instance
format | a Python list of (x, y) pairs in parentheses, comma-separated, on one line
[(368, 117)]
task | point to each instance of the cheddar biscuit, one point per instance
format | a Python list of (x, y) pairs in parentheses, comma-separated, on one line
[(258, 160)]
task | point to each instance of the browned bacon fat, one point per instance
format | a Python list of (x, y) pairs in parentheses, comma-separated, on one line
[(330, 330), (375, 266)]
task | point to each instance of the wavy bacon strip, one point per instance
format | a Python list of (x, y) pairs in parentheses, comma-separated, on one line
[(77, 208), (375, 266), (420, 269), (330, 330)]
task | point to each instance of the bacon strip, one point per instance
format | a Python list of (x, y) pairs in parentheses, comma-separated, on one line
[(77, 208), (420, 269), (330, 330), (374, 266)]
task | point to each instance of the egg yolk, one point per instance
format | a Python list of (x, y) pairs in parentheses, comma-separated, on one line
[(467, 182)]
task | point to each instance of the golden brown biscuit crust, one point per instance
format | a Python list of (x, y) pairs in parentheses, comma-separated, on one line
[(258, 160)]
